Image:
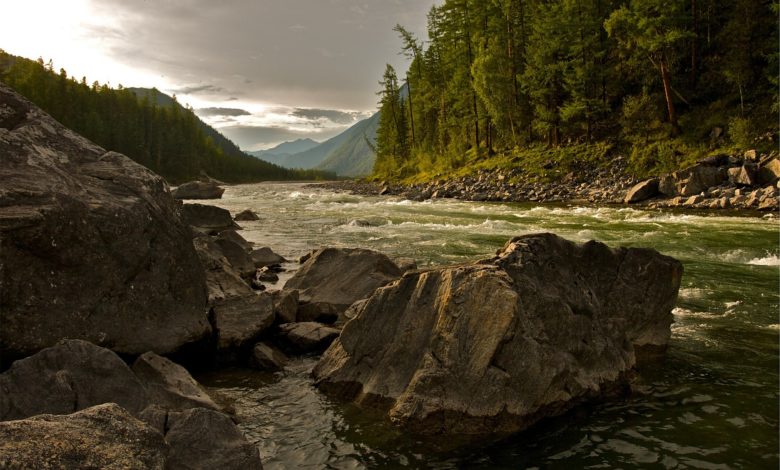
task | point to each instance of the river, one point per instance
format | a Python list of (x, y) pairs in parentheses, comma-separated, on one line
[(712, 403)]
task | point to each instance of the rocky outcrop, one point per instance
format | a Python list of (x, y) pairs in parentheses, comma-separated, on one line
[(91, 245), (333, 278), (495, 346), (198, 190), (207, 219), (104, 436)]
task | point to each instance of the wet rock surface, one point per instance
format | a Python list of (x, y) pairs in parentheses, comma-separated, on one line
[(495, 346), (76, 215)]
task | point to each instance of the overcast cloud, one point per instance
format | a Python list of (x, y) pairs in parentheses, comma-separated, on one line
[(320, 60)]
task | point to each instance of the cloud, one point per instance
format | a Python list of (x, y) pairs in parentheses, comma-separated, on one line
[(333, 115), (198, 89), (222, 112)]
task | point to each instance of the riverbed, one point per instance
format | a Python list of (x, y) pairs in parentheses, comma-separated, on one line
[(711, 403)]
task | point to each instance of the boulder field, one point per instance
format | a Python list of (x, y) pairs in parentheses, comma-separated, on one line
[(495, 346)]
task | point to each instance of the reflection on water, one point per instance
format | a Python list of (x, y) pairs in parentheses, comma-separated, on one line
[(712, 403)]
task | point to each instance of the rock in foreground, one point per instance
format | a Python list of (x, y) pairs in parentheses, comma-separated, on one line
[(496, 346), (104, 436), (91, 245)]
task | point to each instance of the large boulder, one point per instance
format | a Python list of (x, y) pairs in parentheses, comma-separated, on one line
[(744, 175), (91, 245), (698, 178), (198, 190), (642, 191), (333, 278), (104, 436), (68, 377), (769, 172), (207, 219), (237, 256), (201, 438), (495, 346)]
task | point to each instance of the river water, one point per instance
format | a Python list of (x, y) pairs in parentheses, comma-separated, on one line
[(712, 403)]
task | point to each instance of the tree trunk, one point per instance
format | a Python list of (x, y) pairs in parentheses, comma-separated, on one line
[(668, 94), (411, 106)]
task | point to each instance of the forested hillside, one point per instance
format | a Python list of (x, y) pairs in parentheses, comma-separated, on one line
[(168, 139), (662, 82)]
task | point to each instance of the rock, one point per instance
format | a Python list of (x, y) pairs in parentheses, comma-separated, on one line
[(545, 325), (743, 176), (321, 312), (103, 436), (70, 376), (286, 305), (246, 215), (769, 172), (233, 236), (169, 385), (338, 277), (265, 275), (222, 281), (198, 190), (405, 264), (698, 178), (240, 321), (237, 256), (308, 336), (91, 245), (266, 357), (265, 257), (714, 160), (667, 186), (201, 438), (693, 200), (209, 219), (770, 203), (751, 155), (642, 191)]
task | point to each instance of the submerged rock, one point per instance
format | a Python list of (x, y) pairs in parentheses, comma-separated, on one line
[(496, 346), (104, 436), (266, 357), (246, 215), (198, 190), (91, 245), (266, 257)]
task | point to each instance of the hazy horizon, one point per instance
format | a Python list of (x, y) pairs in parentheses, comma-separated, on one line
[(261, 72)]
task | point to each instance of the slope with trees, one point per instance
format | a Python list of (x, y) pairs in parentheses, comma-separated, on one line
[(509, 80), (149, 127)]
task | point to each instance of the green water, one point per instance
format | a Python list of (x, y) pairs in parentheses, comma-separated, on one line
[(711, 403)]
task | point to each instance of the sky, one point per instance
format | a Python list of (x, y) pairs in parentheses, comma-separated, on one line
[(261, 71)]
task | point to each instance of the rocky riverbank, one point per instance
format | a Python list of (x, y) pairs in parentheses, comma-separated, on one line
[(746, 182), (110, 289)]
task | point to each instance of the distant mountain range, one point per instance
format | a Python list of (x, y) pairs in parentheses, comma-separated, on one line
[(347, 154), (280, 152)]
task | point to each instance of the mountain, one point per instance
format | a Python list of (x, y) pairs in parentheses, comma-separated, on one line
[(347, 154), (278, 154)]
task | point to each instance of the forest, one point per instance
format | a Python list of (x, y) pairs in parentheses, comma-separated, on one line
[(168, 139), (661, 82)]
